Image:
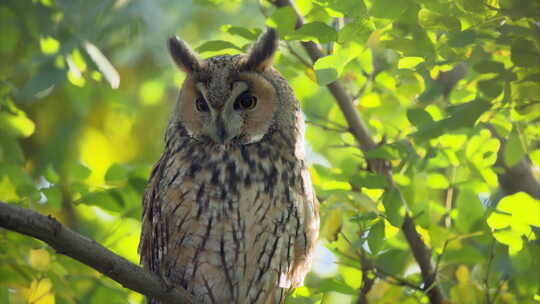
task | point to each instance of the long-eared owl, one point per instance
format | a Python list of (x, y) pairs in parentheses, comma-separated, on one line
[(229, 211)]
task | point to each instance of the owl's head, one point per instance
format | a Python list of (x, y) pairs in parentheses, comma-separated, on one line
[(233, 99)]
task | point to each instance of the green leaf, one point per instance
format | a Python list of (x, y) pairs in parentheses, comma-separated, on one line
[(489, 66), (532, 78), (524, 53), (329, 68), (437, 181), (461, 39), (116, 174), (376, 237), (419, 117), (393, 261), (14, 121), (462, 116), (10, 151), (513, 150), (54, 196), (355, 31), (28, 191), (473, 6), (51, 175), (393, 207), (109, 200), (10, 30), (78, 171), (314, 31), (333, 285), (244, 32), (389, 9), (433, 21), (47, 77), (491, 88), (350, 8), (393, 151), (283, 19), (369, 180), (523, 208), (217, 45), (470, 210)]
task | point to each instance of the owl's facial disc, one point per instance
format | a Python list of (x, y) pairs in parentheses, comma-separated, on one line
[(225, 119), (228, 100)]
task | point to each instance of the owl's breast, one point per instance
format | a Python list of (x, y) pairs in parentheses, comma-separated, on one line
[(231, 223)]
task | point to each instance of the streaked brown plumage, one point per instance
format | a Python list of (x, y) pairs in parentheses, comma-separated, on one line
[(229, 212)]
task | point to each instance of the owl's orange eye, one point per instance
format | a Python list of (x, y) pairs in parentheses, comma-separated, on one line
[(245, 101), (201, 104)]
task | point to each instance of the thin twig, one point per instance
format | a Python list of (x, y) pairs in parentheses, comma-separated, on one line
[(488, 271), (298, 56), (327, 128)]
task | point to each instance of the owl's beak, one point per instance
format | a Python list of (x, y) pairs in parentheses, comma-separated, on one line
[(219, 133)]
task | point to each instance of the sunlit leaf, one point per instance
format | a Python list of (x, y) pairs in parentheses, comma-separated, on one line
[(314, 31), (51, 175), (355, 31), (49, 45), (437, 181), (152, 92), (16, 124), (332, 225), (40, 259), (474, 6), (248, 33), (217, 45), (284, 19), (522, 207), (513, 150), (435, 21), (41, 292), (388, 8), (54, 196)]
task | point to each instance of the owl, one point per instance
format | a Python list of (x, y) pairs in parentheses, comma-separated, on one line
[(229, 213)]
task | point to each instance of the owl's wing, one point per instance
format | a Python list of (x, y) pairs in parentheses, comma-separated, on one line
[(149, 245), (306, 241)]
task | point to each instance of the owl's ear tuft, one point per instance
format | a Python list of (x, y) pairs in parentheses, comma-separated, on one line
[(261, 55), (185, 58)]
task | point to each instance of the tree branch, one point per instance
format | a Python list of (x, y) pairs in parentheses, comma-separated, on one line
[(70, 243), (357, 127), (517, 178)]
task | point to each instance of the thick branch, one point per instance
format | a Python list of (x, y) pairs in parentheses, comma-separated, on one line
[(364, 139), (517, 178), (70, 243)]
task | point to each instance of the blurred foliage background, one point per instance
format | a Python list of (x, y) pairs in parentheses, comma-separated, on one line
[(450, 88)]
